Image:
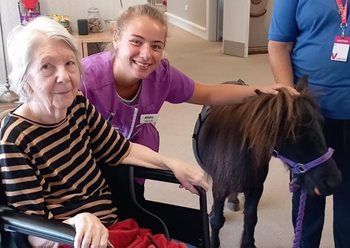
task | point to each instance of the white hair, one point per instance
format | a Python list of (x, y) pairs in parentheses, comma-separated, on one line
[(23, 40)]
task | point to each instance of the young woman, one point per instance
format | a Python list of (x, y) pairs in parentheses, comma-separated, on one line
[(306, 42)]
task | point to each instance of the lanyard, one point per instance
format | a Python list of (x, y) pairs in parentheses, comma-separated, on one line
[(343, 12)]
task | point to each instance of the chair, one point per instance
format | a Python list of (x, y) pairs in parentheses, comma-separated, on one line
[(192, 227)]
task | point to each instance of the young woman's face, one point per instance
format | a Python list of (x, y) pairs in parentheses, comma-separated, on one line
[(140, 47), (53, 76)]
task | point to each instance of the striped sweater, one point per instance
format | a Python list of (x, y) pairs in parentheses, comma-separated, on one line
[(51, 170)]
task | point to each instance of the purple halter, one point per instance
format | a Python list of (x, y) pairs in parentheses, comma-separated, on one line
[(299, 168)]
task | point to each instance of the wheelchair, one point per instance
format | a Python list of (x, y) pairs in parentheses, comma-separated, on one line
[(175, 222)]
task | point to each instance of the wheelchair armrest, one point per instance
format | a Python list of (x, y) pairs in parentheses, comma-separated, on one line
[(53, 230), (155, 174), (161, 175)]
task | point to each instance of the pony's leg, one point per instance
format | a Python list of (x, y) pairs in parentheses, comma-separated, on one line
[(252, 199), (217, 218), (233, 202)]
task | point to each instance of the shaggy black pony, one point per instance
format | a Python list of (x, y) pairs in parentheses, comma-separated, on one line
[(234, 144)]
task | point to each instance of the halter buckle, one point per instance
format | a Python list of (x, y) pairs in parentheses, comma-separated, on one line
[(300, 168)]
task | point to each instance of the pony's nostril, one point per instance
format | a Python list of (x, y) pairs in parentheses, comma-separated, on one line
[(329, 186), (317, 191)]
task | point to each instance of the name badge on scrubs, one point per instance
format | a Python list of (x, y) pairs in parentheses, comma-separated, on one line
[(149, 118), (340, 48)]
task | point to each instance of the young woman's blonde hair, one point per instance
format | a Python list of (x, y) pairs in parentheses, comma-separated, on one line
[(136, 11)]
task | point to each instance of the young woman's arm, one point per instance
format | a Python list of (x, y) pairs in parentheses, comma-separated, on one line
[(225, 94)]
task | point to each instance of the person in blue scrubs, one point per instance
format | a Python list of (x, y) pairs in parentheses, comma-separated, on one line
[(310, 38)]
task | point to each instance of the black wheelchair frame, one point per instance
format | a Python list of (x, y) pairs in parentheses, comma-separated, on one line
[(191, 227)]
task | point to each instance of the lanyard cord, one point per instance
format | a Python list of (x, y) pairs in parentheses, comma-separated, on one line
[(343, 12)]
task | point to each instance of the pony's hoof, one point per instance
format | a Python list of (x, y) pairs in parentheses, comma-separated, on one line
[(214, 244), (233, 206)]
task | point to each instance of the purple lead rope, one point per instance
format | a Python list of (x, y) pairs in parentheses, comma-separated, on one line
[(298, 168), (299, 224)]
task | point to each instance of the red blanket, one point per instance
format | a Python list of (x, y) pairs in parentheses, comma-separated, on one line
[(127, 234)]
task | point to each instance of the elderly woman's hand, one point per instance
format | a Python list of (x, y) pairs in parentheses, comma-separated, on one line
[(36, 242), (189, 175), (90, 232)]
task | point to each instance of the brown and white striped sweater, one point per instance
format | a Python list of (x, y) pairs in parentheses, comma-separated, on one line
[(51, 170)]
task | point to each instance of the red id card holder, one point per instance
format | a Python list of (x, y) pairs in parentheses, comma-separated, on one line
[(340, 48)]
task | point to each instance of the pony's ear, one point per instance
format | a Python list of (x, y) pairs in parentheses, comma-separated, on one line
[(302, 83), (258, 92)]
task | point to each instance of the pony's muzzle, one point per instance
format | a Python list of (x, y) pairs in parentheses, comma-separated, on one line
[(328, 185)]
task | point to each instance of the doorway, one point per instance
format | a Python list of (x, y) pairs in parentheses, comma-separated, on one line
[(260, 13)]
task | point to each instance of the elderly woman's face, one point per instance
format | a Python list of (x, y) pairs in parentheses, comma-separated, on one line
[(53, 77)]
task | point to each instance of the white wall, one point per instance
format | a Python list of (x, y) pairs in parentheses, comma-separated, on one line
[(2, 66), (190, 15), (9, 19), (233, 22), (236, 23)]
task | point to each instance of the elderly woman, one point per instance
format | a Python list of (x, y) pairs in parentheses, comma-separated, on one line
[(50, 144)]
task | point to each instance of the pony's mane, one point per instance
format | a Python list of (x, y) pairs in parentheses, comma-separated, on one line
[(266, 117)]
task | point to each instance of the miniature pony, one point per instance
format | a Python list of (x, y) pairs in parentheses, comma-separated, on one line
[(234, 144)]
